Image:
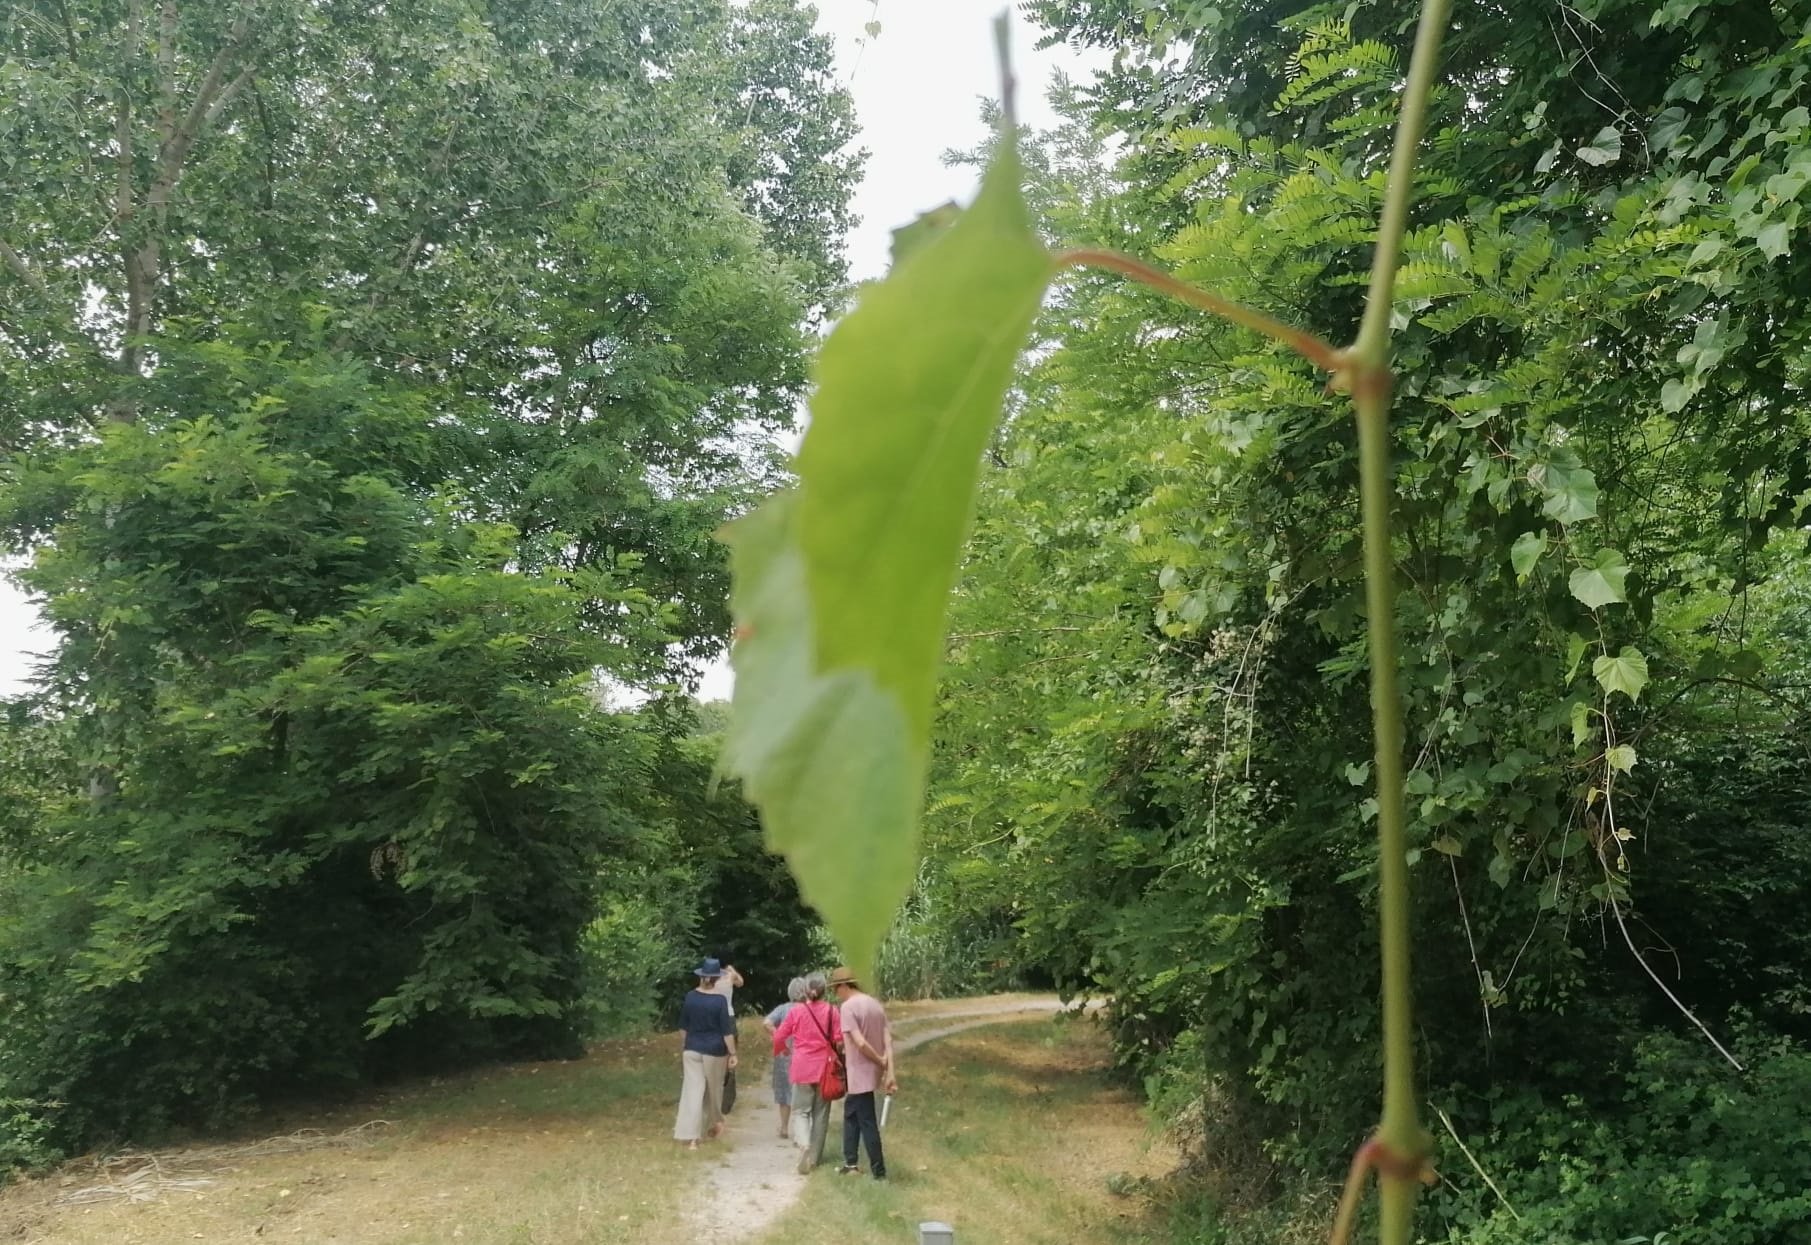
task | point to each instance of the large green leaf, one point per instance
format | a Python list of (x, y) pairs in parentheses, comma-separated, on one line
[(1774, 239), (1526, 551), (1571, 489), (1602, 581), (1606, 148), (1627, 672), (826, 755), (841, 588)]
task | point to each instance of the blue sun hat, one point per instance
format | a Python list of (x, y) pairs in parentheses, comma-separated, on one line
[(710, 968)]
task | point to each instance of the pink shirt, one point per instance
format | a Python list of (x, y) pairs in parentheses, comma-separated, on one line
[(807, 1025), (863, 1014)]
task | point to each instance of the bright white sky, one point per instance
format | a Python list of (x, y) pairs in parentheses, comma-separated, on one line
[(20, 636), (917, 90)]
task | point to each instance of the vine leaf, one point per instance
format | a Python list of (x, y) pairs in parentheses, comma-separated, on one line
[(1575, 653), (1775, 240), (1605, 148), (1581, 719), (1526, 551), (1602, 581), (1502, 870), (841, 587), (1627, 672), (1571, 489)]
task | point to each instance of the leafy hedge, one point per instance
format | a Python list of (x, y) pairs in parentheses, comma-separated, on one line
[(1684, 1150), (1153, 746)]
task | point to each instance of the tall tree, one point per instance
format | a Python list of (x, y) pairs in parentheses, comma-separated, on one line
[(523, 208), (371, 380)]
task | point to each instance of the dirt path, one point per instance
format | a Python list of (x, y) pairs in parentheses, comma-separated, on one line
[(757, 1179)]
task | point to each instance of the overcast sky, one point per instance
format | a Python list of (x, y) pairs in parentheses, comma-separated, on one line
[(918, 87)]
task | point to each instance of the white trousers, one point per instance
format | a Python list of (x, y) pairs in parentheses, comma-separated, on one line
[(700, 1096)]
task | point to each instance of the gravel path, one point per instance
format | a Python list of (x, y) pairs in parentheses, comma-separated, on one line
[(756, 1179)]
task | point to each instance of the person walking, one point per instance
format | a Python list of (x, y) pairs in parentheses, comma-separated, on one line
[(870, 1069), (815, 1029), (707, 1048), (782, 1054), (726, 985), (727, 982)]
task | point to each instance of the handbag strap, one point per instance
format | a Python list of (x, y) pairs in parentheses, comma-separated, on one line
[(828, 1041)]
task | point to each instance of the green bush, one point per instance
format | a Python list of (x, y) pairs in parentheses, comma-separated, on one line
[(639, 942), (934, 950), (1694, 1153), (26, 1129), (345, 795)]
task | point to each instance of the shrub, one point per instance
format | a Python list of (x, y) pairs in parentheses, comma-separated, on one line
[(639, 942), (935, 950), (1693, 1152)]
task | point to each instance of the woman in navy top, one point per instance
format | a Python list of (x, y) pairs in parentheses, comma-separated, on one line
[(707, 1051)]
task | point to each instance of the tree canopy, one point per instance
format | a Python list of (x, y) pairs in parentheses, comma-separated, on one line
[(372, 378)]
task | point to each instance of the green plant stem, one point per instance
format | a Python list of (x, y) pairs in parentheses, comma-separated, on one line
[(1403, 1144), (1400, 1148), (1477, 1166), (1320, 353), (1373, 346)]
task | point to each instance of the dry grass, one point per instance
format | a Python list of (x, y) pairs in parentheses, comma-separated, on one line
[(1012, 1134), (534, 1154)]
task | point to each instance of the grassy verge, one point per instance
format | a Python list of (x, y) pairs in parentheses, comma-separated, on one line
[(533, 1154), (1012, 1134)]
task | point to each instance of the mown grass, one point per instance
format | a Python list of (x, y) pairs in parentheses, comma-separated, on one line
[(533, 1154), (1011, 1134)]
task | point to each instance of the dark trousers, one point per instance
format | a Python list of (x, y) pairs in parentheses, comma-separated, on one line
[(861, 1123)]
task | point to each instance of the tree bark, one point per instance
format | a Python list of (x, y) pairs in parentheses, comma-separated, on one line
[(177, 131)]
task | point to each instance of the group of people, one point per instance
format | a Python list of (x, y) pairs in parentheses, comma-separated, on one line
[(809, 1034)]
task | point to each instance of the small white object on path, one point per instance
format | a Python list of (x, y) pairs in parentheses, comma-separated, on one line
[(757, 1178)]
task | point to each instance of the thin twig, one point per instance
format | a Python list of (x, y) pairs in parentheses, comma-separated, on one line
[(1472, 1159), (1323, 355), (1465, 920), (1685, 1011)]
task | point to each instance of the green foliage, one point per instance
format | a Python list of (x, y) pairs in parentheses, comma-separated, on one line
[(748, 911), (842, 587), (326, 716), (596, 266), (38, 770), (936, 950), (26, 1132), (1689, 1152), (371, 382), (1152, 744), (706, 885), (633, 949)]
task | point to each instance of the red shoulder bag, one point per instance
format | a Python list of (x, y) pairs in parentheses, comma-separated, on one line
[(833, 1082)]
